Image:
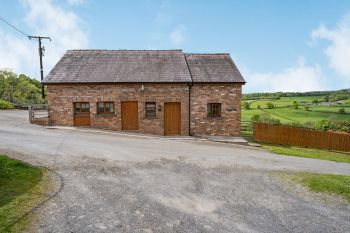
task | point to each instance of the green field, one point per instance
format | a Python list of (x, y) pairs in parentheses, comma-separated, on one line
[(286, 113), (283, 101)]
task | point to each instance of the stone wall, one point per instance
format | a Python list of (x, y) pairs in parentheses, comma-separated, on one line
[(229, 95), (61, 98), (40, 121)]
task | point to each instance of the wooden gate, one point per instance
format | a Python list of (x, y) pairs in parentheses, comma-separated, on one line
[(172, 118), (81, 114), (130, 119)]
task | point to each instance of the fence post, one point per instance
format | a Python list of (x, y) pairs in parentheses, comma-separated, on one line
[(30, 112)]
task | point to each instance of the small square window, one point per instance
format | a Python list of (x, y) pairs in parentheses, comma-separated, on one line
[(150, 108), (105, 107), (81, 108), (214, 109)]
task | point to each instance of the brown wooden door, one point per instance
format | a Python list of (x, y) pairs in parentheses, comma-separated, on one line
[(82, 114), (172, 118), (130, 117)]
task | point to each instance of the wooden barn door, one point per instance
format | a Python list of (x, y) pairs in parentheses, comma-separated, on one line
[(130, 117), (172, 118), (81, 114)]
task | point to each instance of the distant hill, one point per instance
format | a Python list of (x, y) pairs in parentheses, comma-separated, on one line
[(333, 95)]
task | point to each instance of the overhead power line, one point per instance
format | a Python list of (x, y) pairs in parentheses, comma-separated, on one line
[(18, 30), (41, 51)]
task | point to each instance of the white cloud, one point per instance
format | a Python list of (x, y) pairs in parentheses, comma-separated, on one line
[(338, 50), (299, 77), (178, 35), (66, 29), (16, 52)]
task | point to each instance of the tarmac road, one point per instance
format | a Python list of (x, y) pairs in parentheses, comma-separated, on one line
[(111, 182)]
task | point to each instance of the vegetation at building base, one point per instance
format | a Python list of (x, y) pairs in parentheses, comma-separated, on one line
[(327, 183), (308, 153), (22, 187), (18, 90), (6, 105)]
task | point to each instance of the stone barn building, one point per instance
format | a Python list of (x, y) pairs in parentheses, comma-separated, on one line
[(163, 92)]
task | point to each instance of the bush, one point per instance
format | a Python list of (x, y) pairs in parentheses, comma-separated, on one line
[(255, 118), (270, 105), (265, 118), (296, 105), (342, 110), (246, 105), (308, 124), (6, 105), (334, 125), (307, 108)]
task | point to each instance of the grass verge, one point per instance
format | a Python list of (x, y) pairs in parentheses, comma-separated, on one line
[(328, 183), (22, 187), (308, 153)]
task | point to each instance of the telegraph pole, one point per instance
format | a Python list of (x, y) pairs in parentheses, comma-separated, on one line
[(41, 54), (41, 51)]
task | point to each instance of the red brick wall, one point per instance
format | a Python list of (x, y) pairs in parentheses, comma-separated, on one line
[(62, 97), (229, 95)]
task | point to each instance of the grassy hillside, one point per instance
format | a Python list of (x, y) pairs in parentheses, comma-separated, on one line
[(296, 107)]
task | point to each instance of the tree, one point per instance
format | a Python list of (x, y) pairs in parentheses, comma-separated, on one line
[(19, 89), (315, 102), (246, 105), (326, 98), (295, 105), (270, 105), (341, 110)]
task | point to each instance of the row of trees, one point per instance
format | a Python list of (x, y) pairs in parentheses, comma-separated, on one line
[(19, 89), (329, 96), (295, 105)]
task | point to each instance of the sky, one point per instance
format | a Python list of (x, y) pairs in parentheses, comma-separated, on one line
[(277, 45)]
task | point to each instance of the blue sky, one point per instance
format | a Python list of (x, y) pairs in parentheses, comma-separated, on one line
[(278, 45)]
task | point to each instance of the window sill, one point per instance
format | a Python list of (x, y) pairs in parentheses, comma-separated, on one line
[(220, 117), (106, 114), (151, 118)]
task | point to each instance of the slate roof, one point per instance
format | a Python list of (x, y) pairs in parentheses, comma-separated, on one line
[(145, 66), (213, 68)]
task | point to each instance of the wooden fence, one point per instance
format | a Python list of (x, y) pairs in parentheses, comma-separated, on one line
[(289, 135)]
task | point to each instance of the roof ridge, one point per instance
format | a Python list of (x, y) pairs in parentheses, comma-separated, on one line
[(207, 54), (124, 50)]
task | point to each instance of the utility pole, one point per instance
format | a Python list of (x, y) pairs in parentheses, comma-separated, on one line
[(41, 54)]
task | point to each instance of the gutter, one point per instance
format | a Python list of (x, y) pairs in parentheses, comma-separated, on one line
[(189, 97)]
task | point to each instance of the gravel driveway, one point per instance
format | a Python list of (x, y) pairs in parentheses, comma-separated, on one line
[(110, 182)]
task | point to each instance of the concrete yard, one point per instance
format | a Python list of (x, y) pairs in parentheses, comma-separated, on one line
[(117, 182)]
